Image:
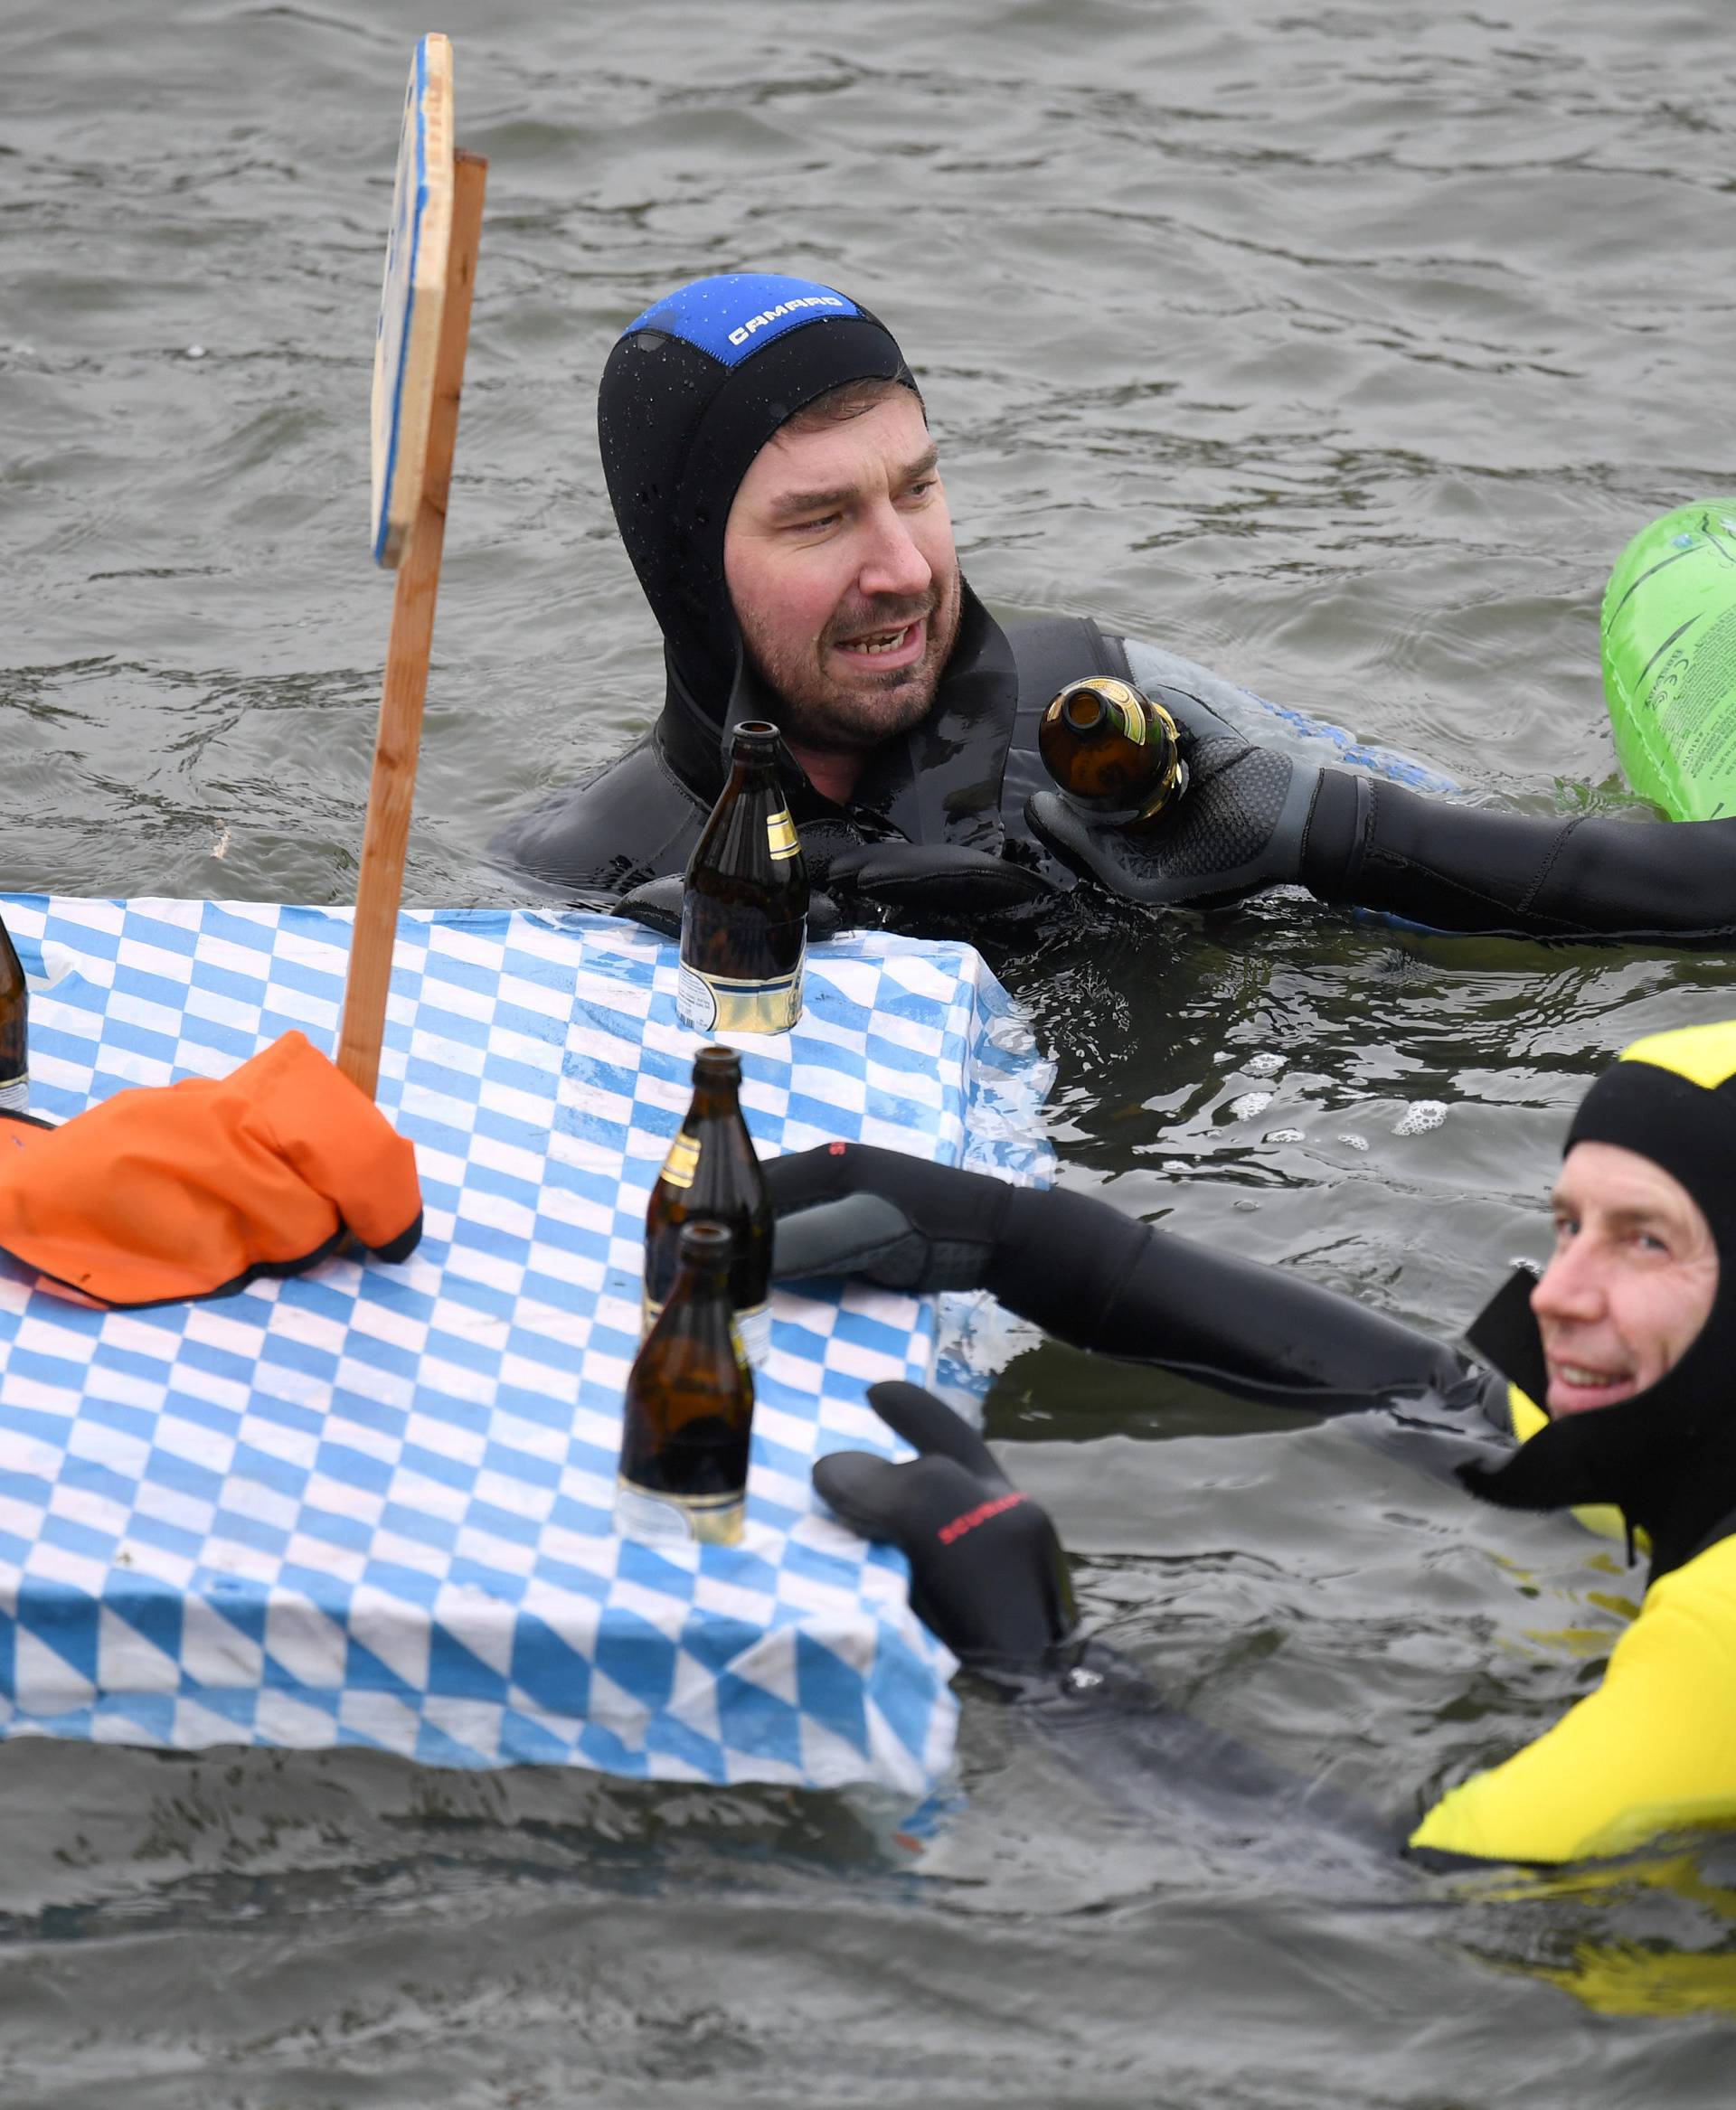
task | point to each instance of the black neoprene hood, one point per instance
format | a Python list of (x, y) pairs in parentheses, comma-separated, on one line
[(1685, 1125), (1667, 1456), (691, 393)]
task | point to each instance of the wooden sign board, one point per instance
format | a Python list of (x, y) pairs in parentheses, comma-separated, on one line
[(418, 378), (412, 299)]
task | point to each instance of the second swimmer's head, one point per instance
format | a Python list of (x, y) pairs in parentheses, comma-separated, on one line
[(773, 481), (1646, 1221)]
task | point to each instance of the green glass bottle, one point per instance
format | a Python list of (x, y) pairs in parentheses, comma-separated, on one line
[(687, 1417), (712, 1175)]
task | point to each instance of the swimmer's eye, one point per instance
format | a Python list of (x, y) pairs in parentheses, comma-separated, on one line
[(1640, 1236)]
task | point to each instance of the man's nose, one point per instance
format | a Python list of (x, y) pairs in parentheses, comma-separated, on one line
[(892, 563), (1572, 1285)]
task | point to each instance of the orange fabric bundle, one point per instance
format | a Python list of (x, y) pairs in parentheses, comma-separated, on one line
[(191, 1190)]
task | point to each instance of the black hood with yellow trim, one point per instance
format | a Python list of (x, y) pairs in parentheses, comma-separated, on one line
[(1666, 1457)]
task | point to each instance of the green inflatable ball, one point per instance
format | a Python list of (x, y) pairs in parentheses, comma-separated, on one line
[(1669, 660)]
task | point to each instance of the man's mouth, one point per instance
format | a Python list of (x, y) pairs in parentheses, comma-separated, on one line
[(1575, 1386), (897, 647)]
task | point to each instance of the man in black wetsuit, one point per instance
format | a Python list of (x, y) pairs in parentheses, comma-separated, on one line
[(770, 466)]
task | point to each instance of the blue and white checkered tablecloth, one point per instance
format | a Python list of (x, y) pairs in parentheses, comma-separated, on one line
[(371, 1504)]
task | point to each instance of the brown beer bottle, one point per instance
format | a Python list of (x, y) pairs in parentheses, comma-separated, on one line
[(688, 1413), (1112, 751), (15, 1029), (712, 1175), (744, 915)]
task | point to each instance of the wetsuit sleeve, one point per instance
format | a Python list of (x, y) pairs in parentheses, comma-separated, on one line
[(1090, 1275), (1093, 1276), (1463, 868), (1653, 1750)]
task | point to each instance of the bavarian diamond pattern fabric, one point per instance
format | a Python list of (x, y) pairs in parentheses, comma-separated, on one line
[(371, 1504)]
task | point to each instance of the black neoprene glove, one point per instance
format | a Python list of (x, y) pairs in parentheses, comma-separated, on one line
[(857, 885), (875, 882), (656, 904), (854, 1208), (1240, 825), (987, 1573)]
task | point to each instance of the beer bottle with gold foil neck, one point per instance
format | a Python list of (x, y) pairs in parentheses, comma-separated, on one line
[(1112, 751), (744, 914), (687, 1418), (14, 1031), (712, 1175)]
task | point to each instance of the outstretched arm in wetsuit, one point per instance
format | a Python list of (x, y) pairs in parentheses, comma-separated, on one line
[(1254, 817), (1096, 1279)]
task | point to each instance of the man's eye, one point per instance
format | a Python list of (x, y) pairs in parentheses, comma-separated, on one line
[(815, 525), (922, 490)]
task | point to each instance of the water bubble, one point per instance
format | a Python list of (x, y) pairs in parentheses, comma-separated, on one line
[(1418, 1119), (1249, 1105), (1285, 1136), (195, 352), (1267, 1063), (1354, 1141)]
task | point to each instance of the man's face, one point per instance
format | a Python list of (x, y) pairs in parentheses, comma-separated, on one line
[(839, 557), (1632, 1281)]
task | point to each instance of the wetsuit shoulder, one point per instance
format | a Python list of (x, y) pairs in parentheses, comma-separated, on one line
[(631, 820), (1653, 1750), (1048, 653)]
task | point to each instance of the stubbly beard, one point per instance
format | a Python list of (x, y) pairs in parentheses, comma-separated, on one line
[(848, 717)]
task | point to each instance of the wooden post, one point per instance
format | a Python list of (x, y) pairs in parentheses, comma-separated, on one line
[(379, 886)]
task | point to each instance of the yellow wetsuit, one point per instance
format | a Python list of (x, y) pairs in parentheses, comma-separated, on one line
[(1652, 1750)]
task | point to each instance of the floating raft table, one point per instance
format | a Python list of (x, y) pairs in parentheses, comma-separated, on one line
[(370, 1504)]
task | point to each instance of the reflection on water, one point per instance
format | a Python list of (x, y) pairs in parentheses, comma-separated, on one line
[(1341, 348), (1653, 1935)]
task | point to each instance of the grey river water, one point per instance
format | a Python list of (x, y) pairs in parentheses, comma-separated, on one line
[(1341, 347)]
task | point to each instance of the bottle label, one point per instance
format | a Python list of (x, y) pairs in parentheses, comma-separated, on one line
[(15, 1094), (781, 837), (719, 1003), (753, 1328), (662, 1519), (683, 1160)]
